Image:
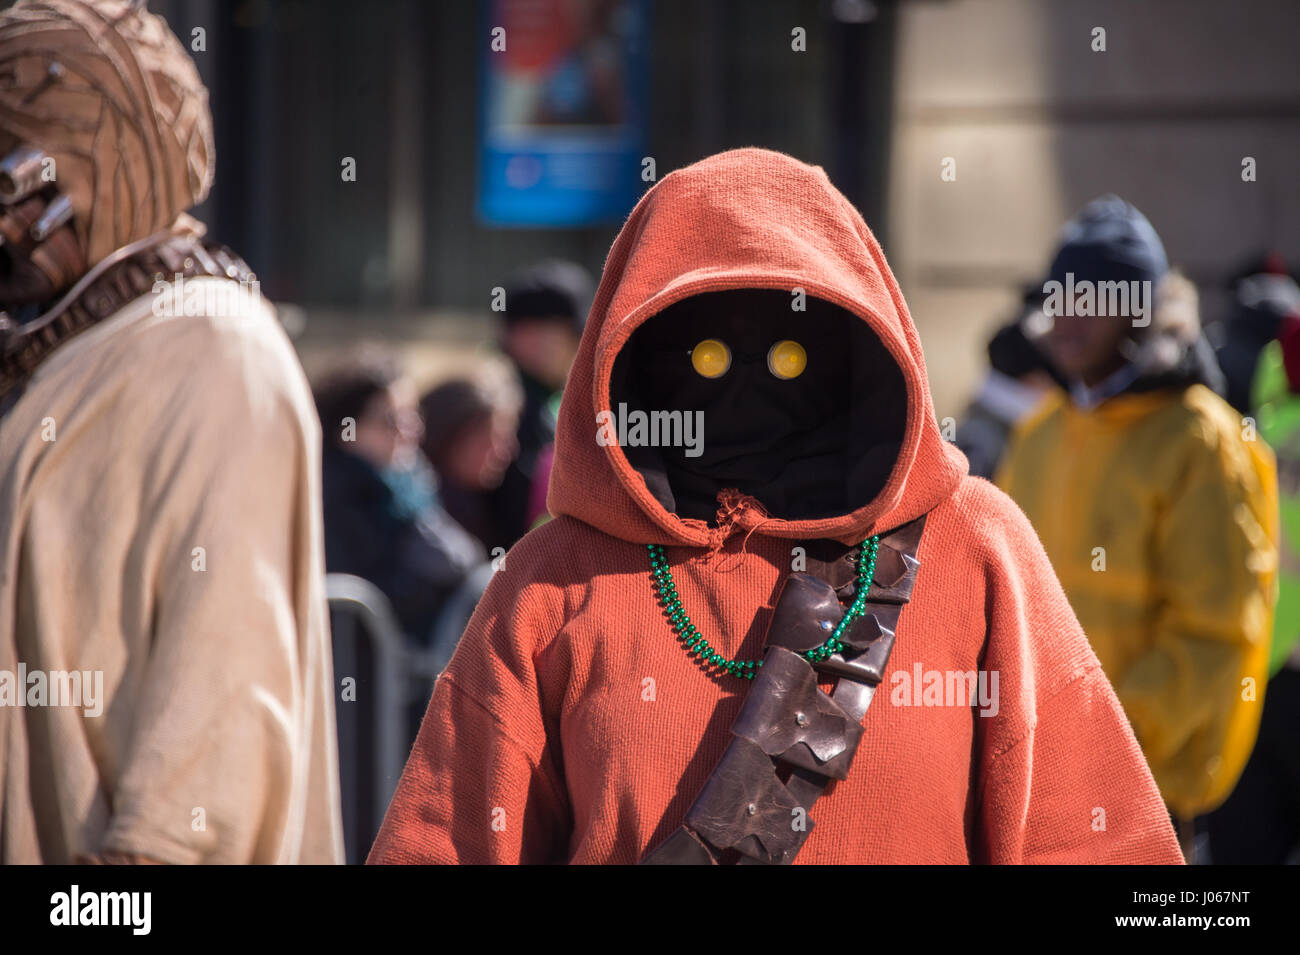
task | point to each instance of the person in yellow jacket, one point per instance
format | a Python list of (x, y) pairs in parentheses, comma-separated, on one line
[(1156, 503)]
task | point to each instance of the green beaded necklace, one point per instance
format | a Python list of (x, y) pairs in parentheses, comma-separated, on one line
[(694, 643)]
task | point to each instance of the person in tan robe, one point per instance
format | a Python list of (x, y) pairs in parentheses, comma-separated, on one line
[(165, 671)]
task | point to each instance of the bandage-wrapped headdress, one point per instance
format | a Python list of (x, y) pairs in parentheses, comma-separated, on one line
[(105, 89)]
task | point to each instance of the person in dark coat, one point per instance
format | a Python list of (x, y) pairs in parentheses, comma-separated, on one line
[(546, 309), (383, 521), (470, 438)]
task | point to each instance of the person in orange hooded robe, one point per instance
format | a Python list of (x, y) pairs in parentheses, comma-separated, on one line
[(573, 726)]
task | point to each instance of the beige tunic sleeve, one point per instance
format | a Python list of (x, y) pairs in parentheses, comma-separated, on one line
[(171, 539), (231, 757)]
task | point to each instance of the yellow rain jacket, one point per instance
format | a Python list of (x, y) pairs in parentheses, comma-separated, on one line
[(1159, 512)]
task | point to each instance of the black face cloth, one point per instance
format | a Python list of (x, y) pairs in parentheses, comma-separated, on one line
[(796, 445)]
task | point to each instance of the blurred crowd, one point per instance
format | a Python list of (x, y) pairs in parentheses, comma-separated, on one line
[(422, 493)]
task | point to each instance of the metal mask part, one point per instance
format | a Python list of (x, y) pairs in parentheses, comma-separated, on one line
[(20, 174), (57, 213)]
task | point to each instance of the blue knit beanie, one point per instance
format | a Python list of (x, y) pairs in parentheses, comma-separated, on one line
[(1109, 240)]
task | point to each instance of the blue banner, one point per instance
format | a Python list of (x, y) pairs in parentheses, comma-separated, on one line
[(562, 111)]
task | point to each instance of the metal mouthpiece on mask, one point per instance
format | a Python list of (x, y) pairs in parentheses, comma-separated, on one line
[(57, 213), (20, 174)]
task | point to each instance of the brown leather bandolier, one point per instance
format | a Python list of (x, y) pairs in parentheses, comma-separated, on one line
[(24, 347), (745, 814)]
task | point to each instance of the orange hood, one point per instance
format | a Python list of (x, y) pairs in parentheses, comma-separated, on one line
[(743, 219)]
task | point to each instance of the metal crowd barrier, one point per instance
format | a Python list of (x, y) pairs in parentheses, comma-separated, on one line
[(393, 679)]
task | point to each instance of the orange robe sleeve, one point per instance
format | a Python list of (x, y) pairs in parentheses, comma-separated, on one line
[(1063, 779), (473, 791)]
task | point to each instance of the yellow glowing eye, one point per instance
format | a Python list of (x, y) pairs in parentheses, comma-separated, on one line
[(711, 358), (787, 359)]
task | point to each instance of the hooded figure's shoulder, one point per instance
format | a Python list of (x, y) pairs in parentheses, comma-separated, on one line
[(224, 338), (566, 552), (223, 367), (983, 521), (996, 564), (535, 588), (230, 329)]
